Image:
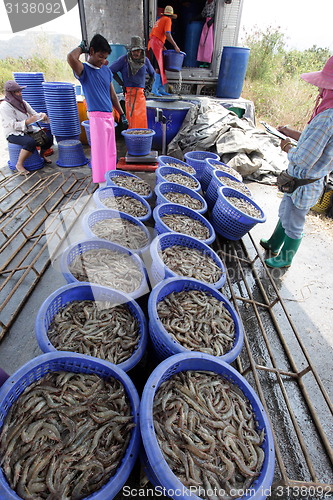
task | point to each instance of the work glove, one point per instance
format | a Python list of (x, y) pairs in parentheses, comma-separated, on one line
[(149, 86), (123, 121), (84, 47)]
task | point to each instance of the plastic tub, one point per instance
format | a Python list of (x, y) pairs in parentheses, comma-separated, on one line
[(232, 72), (109, 177), (84, 291), (156, 467), (163, 188), (117, 50), (90, 219), (169, 160), (71, 252), (197, 160), (229, 221), (217, 181), (109, 191), (86, 125), (159, 271), (71, 154), (34, 162), (41, 365), (164, 170), (164, 344), (138, 144), (173, 208), (173, 60)]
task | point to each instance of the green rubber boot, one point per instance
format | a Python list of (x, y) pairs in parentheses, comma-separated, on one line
[(275, 242), (287, 253)]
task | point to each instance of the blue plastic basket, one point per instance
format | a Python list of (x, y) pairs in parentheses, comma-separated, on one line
[(167, 160), (216, 182), (41, 365), (138, 144), (164, 344), (171, 187), (101, 193), (210, 166), (90, 219), (173, 208), (109, 177), (84, 291), (157, 469), (86, 125), (173, 60), (164, 170), (71, 252), (71, 154), (228, 220), (34, 162), (197, 160), (159, 271)]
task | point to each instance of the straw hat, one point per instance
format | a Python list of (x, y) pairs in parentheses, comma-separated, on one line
[(322, 79), (136, 43), (168, 11)]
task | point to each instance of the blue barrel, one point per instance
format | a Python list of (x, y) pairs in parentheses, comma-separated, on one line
[(174, 113), (117, 51), (232, 72), (193, 33)]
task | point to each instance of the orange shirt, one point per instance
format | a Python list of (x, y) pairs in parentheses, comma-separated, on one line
[(162, 25)]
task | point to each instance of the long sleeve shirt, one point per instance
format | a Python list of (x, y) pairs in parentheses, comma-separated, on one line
[(137, 80), (13, 120), (312, 158)]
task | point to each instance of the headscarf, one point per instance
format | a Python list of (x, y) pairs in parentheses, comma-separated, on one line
[(16, 101), (135, 65), (323, 101)]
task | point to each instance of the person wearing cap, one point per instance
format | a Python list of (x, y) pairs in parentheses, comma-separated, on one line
[(308, 164), (18, 117), (96, 80), (161, 32), (133, 67)]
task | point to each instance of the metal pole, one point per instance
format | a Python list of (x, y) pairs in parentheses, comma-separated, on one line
[(83, 20)]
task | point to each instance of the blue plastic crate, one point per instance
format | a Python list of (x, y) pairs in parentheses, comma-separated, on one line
[(164, 170), (71, 252), (164, 344), (197, 160), (84, 291), (173, 208), (138, 144), (216, 182), (156, 467), (106, 192), (159, 271), (109, 177), (171, 187), (167, 160), (229, 221), (61, 361), (91, 218)]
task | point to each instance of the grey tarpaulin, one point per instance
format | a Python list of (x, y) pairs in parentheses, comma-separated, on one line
[(209, 126)]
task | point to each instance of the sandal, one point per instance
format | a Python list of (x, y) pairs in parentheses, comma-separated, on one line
[(47, 161)]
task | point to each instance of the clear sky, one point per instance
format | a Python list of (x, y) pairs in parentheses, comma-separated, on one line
[(304, 22)]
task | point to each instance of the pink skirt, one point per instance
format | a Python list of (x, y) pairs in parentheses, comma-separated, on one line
[(206, 43), (103, 144)]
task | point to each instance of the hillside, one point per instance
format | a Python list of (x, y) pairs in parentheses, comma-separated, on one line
[(32, 43)]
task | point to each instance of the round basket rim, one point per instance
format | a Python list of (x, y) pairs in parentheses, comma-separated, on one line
[(196, 196), (123, 173), (115, 483), (41, 333), (190, 213), (123, 192), (177, 170), (151, 133), (154, 454), (171, 344), (155, 245), (239, 194)]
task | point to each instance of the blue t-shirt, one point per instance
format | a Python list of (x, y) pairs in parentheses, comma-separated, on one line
[(137, 80), (96, 87)]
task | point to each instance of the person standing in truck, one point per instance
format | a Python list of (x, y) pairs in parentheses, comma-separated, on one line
[(161, 31), (133, 68), (96, 80)]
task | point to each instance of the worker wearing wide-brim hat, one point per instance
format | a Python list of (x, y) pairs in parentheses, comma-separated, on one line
[(161, 31), (133, 68)]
